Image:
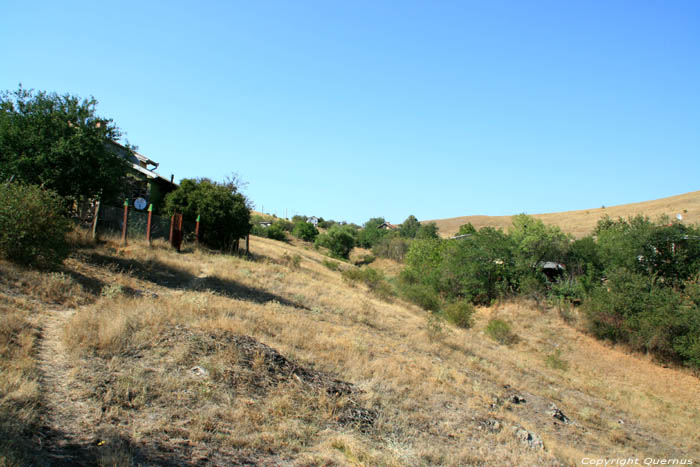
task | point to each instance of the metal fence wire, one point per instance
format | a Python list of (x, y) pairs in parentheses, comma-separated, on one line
[(111, 220)]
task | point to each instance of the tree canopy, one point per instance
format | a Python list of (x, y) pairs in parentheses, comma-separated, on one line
[(223, 211), (59, 142)]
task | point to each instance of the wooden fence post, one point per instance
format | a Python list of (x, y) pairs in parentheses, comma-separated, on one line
[(94, 221), (196, 232), (148, 226), (172, 228), (126, 216)]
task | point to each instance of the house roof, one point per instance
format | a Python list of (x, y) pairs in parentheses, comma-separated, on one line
[(122, 151), (387, 225)]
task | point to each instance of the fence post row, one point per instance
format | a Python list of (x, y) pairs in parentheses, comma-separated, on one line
[(126, 216)]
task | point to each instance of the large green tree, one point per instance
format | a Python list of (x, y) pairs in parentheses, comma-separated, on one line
[(224, 212), (59, 142)]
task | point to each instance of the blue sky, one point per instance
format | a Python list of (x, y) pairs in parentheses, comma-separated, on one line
[(352, 110)]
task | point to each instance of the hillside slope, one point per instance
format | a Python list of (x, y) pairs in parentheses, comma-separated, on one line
[(145, 356), (581, 223)]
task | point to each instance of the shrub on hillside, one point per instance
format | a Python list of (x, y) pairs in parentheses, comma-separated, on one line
[(634, 309), (276, 232), (501, 332), (225, 214), (305, 231), (373, 278), (33, 225), (392, 247), (459, 313), (339, 241)]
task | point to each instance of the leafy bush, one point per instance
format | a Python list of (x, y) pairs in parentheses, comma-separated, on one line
[(422, 295), (372, 278), (501, 332), (33, 225), (275, 232), (634, 309), (459, 313), (305, 231), (225, 214), (392, 247), (371, 234), (339, 240)]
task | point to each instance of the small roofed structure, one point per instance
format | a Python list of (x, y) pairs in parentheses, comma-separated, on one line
[(551, 269), (387, 226), (313, 220)]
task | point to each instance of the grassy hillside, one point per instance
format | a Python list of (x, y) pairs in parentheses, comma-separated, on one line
[(581, 223), (142, 355)]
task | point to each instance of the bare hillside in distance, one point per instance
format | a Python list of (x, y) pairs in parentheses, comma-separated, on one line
[(581, 223)]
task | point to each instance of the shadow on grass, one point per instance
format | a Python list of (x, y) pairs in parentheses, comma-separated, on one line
[(172, 277), (49, 447)]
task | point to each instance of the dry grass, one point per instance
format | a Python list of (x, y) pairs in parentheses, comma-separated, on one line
[(581, 223), (277, 359)]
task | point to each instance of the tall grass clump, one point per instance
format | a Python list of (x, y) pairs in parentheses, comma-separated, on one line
[(33, 225)]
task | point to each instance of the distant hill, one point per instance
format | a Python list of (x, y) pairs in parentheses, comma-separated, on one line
[(581, 223)]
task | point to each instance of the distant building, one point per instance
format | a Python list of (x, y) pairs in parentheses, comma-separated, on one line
[(313, 220), (387, 226)]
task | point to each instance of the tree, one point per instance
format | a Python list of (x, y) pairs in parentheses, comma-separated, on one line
[(371, 234), (305, 231), (409, 228), (428, 230), (339, 240), (60, 143), (466, 229), (225, 214)]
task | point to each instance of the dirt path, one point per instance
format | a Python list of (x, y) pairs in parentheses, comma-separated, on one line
[(69, 417)]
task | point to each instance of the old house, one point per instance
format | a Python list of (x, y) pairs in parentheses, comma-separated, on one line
[(142, 180)]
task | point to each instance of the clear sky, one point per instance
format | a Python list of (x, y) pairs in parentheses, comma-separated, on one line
[(357, 109)]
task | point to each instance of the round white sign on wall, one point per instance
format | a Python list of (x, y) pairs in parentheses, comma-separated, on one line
[(140, 204)]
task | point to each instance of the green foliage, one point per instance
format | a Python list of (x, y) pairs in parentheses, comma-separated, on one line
[(225, 215), (276, 232), (459, 313), (669, 251), (409, 228), (635, 309), (60, 143), (339, 240), (427, 231), (392, 246), (33, 225), (466, 229), (370, 234), (536, 242), (500, 331), (372, 278), (305, 231), (421, 294)]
